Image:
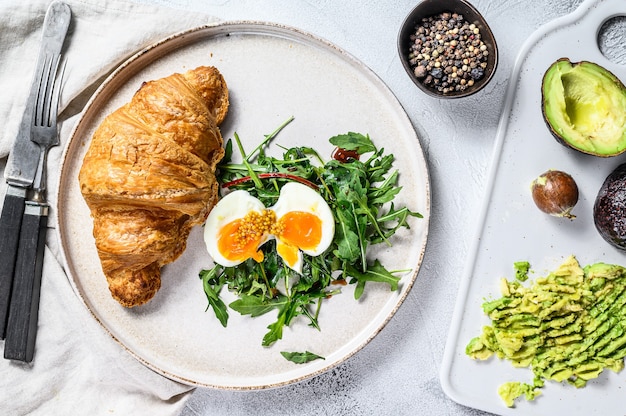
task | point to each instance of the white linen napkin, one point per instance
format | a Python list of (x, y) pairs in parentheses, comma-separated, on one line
[(78, 369)]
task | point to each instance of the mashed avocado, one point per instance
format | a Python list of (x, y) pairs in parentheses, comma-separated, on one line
[(567, 326), (521, 270)]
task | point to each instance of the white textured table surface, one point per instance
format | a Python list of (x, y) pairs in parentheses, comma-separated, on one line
[(398, 372)]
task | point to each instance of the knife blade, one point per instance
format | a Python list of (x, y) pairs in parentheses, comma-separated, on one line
[(23, 160)]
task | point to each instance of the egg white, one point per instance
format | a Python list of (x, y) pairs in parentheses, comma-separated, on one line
[(231, 207)]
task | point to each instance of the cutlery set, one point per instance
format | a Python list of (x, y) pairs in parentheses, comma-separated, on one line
[(24, 218)]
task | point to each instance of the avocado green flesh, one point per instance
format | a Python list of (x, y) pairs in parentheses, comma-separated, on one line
[(514, 389), (585, 107), (567, 326)]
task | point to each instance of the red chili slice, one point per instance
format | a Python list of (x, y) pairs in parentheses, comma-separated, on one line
[(271, 175)]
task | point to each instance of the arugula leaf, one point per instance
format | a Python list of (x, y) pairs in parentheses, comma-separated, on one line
[(347, 241), (228, 152), (256, 306), (379, 166), (375, 273), (385, 192), (400, 214), (276, 328), (301, 357), (268, 138), (399, 217), (212, 291), (361, 195), (353, 141)]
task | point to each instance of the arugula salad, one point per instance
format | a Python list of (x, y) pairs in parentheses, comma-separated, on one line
[(358, 184)]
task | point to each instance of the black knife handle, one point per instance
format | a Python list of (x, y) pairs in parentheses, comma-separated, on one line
[(24, 309), (10, 223)]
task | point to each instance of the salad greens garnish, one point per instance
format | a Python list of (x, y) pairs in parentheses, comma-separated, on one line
[(359, 190), (301, 357)]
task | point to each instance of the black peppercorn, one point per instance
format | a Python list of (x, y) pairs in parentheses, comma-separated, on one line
[(476, 73), (447, 52), (437, 73)]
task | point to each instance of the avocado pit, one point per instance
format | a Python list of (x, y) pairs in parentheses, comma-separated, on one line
[(555, 193)]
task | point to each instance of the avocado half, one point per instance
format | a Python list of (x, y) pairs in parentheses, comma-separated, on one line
[(609, 208), (584, 105)]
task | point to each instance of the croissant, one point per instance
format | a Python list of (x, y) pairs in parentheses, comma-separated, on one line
[(149, 176)]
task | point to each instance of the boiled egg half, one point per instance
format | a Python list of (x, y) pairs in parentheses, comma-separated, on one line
[(239, 224), (231, 233)]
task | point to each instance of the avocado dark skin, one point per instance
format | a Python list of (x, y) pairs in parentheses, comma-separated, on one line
[(609, 209)]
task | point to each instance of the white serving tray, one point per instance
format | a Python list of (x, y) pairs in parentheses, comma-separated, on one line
[(511, 228)]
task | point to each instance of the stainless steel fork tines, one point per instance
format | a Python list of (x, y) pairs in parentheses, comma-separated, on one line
[(44, 125)]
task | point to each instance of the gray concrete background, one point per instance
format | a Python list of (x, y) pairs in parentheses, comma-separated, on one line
[(398, 372)]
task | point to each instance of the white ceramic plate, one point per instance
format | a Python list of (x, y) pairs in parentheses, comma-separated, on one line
[(273, 72), (511, 228)]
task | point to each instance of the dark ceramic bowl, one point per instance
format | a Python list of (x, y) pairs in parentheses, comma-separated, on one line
[(428, 8)]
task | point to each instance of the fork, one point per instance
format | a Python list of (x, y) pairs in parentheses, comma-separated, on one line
[(24, 307), (44, 126)]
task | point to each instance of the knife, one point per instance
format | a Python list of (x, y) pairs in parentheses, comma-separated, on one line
[(21, 331), (24, 159), (22, 322)]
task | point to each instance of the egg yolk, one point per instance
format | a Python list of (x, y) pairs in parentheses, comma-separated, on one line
[(288, 253), (300, 229), (240, 239), (297, 230)]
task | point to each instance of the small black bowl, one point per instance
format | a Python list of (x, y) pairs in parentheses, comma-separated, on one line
[(428, 8)]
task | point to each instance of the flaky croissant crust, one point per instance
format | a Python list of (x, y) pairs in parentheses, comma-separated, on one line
[(149, 176)]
